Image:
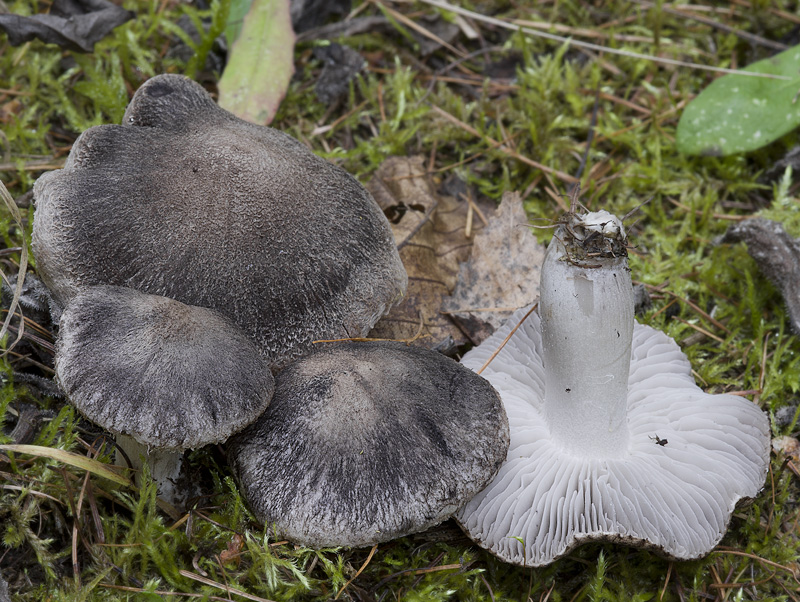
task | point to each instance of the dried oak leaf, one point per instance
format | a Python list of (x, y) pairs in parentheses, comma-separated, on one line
[(777, 255), (430, 232), (502, 274)]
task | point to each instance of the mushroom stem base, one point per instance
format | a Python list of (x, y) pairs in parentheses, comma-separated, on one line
[(165, 468)]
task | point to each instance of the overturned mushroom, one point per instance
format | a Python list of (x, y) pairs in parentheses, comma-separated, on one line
[(365, 442), (187, 201), (161, 375), (611, 439)]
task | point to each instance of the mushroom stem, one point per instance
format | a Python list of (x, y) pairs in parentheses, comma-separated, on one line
[(165, 468), (586, 307)]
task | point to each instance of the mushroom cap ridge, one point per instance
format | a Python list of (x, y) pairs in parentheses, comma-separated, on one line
[(170, 375), (675, 498), (187, 201), (365, 442)]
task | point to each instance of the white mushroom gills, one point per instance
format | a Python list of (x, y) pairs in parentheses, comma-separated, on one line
[(586, 306), (611, 438)]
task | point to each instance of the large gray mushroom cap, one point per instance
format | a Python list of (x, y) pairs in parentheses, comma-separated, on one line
[(690, 458), (365, 442), (187, 201), (170, 375)]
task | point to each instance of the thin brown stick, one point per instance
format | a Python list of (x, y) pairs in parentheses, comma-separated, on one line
[(361, 570), (763, 374), (745, 35), (229, 590), (475, 208), (666, 582), (697, 309), (488, 587), (510, 334), (504, 149), (13, 307), (582, 32), (418, 28), (139, 590), (594, 47), (322, 129), (724, 550), (699, 329), (731, 218), (463, 310)]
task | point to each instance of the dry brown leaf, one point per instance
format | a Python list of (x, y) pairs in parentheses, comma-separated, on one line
[(789, 446), (430, 234), (234, 550), (501, 275)]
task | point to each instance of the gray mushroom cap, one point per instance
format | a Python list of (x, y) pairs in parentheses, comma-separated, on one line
[(187, 201), (365, 442), (170, 375)]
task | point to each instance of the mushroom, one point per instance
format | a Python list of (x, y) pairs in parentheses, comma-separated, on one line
[(187, 201), (161, 375), (611, 439), (365, 442)]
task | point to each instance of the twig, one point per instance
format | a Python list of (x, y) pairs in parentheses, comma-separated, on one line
[(666, 582), (475, 208), (468, 128), (589, 138), (723, 550), (321, 129), (488, 587), (595, 47), (229, 590), (697, 309), (505, 340), (732, 218), (550, 591), (699, 329), (23, 266), (160, 592), (361, 570), (745, 35)]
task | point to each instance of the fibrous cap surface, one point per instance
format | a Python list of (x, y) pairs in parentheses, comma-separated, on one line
[(187, 201), (676, 497), (170, 375), (365, 442)]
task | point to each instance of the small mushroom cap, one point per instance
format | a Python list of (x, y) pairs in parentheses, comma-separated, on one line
[(692, 456), (186, 201), (170, 375), (365, 442)]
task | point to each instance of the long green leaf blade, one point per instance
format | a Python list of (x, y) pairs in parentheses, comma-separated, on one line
[(72, 459), (260, 63)]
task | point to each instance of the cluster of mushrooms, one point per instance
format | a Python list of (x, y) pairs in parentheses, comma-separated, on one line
[(196, 259)]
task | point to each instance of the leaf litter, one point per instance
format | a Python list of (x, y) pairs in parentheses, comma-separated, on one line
[(430, 232), (501, 275)]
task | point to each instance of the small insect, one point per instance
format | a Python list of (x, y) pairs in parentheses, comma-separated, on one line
[(659, 440)]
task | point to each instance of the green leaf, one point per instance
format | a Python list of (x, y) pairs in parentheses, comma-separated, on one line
[(72, 459), (260, 63), (739, 113), (236, 17)]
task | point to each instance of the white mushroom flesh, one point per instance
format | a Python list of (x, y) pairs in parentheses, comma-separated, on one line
[(634, 452)]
